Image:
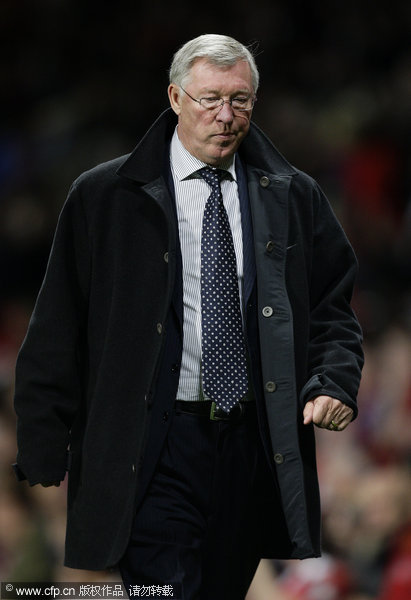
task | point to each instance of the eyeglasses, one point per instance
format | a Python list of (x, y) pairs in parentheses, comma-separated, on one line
[(238, 104)]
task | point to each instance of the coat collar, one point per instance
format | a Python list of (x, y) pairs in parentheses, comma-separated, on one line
[(146, 162)]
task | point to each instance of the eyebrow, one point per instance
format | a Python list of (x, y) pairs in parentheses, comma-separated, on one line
[(218, 93)]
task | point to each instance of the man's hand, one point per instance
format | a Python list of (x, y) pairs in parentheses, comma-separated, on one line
[(328, 413)]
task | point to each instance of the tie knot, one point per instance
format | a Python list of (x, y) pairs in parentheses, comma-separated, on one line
[(212, 176)]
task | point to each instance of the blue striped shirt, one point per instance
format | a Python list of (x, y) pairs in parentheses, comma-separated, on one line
[(191, 193)]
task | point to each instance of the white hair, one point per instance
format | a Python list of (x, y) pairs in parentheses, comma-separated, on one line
[(219, 50)]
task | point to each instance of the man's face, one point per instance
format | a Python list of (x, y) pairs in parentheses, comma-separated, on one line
[(212, 136)]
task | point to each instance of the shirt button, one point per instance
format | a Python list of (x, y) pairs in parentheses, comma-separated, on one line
[(165, 257), (267, 311), (264, 181), (159, 328), (269, 246), (278, 458), (270, 386)]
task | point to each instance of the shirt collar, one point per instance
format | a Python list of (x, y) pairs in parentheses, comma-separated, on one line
[(185, 165)]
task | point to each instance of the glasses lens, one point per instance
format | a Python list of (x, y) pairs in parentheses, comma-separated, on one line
[(237, 104), (242, 103), (210, 103)]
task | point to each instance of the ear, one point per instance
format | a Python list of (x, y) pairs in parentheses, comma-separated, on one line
[(174, 97)]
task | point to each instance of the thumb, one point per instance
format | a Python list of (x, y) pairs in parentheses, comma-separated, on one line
[(308, 412)]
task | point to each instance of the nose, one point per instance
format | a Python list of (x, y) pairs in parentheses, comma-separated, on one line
[(225, 114)]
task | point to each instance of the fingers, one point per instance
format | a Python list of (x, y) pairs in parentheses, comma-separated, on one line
[(328, 413)]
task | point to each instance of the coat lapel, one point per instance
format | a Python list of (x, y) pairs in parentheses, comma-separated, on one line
[(247, 234), (149, 165)]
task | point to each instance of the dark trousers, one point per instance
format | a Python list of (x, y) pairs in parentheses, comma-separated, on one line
[(200, 522)]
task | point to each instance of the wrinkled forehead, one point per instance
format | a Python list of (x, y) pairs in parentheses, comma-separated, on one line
[(207, 75)]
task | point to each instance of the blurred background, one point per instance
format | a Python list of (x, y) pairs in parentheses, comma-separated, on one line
[(80, 82)]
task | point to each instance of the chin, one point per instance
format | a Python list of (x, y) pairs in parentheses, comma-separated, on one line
[(222, 155)]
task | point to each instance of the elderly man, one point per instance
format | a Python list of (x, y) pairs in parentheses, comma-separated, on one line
[(193, 324)]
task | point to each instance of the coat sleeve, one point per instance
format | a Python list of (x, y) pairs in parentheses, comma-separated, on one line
[(50, 366), (335, 356)]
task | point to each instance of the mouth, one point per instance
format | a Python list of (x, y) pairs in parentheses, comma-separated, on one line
[(228, 135)]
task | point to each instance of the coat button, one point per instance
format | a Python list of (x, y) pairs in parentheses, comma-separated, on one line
[(267, 311), (264, 181), (166, 257), (175, 368), (165, 416), (133, 468), (159, 328), (270, 386), (269, 246), (278, 458)]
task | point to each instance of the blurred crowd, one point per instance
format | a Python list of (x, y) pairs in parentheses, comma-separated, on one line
[(80, 82)]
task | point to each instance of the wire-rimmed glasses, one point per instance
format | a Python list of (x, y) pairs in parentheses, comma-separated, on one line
[(240, 103)]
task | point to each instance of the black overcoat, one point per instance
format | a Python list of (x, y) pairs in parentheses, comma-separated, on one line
[(87, 367)]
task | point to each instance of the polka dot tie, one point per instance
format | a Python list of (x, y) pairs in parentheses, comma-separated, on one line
[(224, 367)]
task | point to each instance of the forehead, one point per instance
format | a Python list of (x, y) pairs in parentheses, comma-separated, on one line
[(206, 76)]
